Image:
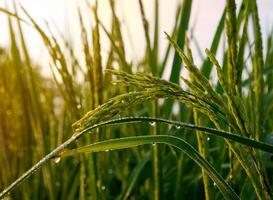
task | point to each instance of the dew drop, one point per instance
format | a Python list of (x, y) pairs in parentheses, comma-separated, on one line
[(153, 144), (114, 83), (107, 150), (79, 106), (214, 184), (57, 160), (208, 138), (152, 123), (103, 187), (178, 127)]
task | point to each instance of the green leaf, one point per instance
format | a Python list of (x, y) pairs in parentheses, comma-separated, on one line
[(129, 142)]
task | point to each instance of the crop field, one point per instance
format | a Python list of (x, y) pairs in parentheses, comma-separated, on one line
[(102, 126)]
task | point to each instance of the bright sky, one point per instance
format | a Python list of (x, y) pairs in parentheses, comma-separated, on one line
[(63, 15)]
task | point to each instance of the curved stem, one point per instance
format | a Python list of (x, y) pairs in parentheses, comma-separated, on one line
[(242, 140), (128, 142)]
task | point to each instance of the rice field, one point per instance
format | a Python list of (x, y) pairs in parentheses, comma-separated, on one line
[(103, 127)]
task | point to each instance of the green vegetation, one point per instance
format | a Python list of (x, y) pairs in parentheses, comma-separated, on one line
[(95, 131)]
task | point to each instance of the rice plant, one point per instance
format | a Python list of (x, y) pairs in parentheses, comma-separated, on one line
[(122, 130)]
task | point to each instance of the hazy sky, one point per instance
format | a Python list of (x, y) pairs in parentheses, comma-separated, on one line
[(63, 14)]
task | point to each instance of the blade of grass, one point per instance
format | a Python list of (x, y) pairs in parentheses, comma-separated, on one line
[(129, 142), (152, 60), (174, 34), (176, 63), (231, 33), (125, 64), (3, 10), (207, 65), (183, 27), (152, 67), (133, 178)]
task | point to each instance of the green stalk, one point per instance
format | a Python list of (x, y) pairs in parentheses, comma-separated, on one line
[(201, 140), (231, 32), (157, 174), (258, 72), (183, 27), (152, 61), (152, 67), (156, 41), (232, 46), (207, 65)]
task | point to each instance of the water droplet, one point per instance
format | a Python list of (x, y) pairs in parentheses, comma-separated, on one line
[(79, 106), (152, 123), (57, 160), (114, 83), (230, 177), (178, 127), (214, 184), (107, 150), (153, 144), (208, 138), (103, 187), (122, 101)]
